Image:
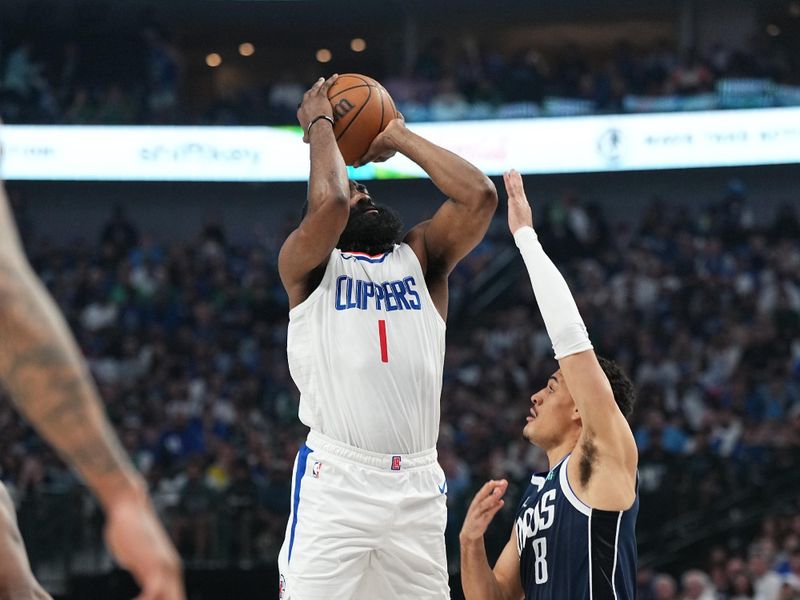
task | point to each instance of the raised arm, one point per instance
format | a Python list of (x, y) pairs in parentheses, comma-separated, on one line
[(308, 247), (461, 222), (42, 369), (606, 442), (478, 580)]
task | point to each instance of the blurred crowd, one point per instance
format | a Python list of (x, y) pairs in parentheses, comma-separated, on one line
[(145, 78), (187, 342), (767, 568)]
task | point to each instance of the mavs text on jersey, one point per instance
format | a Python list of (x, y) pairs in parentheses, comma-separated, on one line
[(569, 551)]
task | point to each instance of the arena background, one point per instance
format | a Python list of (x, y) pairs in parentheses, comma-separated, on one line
[(689, 277)]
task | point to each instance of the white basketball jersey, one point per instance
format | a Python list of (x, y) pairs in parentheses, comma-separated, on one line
[(366, 350)]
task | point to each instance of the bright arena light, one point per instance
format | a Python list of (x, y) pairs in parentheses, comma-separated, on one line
[(324, 55), (213, 60), (358, 45), (247, 49)]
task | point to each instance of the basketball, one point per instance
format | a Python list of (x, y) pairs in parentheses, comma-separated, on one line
[(361, 110)]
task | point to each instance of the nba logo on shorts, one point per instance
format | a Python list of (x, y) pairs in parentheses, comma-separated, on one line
[(316, 469), (281, 587), (395, 463)]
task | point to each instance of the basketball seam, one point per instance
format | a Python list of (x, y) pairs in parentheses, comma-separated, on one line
[(355, 116), (352, 87)]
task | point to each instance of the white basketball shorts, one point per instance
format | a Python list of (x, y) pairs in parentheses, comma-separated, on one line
[(364, 526)]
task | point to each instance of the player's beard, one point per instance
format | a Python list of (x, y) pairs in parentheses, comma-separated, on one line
[(369, 232)]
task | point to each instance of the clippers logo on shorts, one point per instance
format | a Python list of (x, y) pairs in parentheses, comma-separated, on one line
[(395, 463), (387, 296), (316, 469)]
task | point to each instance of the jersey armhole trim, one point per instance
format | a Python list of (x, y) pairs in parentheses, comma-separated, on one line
[(312, 297), (407, 248), (566, 488)]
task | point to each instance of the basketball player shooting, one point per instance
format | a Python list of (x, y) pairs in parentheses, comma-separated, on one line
[(41, 368), (574, 532), (366, 345)]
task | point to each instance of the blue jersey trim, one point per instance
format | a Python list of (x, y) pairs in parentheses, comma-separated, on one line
[(302, 460), (366, 257)]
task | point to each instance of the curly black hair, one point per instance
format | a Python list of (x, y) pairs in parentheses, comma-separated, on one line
[(621, 385)]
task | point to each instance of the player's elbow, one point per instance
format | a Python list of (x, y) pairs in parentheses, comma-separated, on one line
[(488, 194), (484, 197), (329, 198), (332, 195)]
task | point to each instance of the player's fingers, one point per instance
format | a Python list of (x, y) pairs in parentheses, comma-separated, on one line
[(489, 514), (485, 490), (480, 496), (315, 88), (512, 186), (329, 82), (490, 501)]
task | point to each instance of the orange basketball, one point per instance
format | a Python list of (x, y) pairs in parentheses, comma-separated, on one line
[(361, 110)]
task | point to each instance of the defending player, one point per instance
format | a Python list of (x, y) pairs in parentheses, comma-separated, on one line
[(41, 368), (366, 349), (574, 534)]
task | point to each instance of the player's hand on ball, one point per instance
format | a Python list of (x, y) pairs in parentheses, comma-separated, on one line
[(519, 210), (139, 543), (383, 147), (487, 502), (315, 103)]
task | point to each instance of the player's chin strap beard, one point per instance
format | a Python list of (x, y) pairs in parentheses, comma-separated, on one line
[(371, 233)]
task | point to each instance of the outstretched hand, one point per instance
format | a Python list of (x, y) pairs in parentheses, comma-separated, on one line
[(315, 102), (383, 146), (486, 504), (519, 209)]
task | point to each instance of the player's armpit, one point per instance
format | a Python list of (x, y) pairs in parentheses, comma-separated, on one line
[(457, 227), (309, 246), (506, 570)]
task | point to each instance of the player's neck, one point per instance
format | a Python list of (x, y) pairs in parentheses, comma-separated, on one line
[(557, 453)]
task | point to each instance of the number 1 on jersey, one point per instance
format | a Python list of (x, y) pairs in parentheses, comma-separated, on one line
[(384, 345)]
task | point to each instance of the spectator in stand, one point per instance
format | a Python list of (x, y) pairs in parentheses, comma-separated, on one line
[(692, 76), (696, 586), (81, 86), (742, 588), (164, 64), (767, 583), (193, 526), (665, 588)]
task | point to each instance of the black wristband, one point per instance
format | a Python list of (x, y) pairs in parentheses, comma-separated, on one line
[(314, 120)]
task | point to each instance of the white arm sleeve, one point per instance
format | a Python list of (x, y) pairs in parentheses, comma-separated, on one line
[(559, 311)]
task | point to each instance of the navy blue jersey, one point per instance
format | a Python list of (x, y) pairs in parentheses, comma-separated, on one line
[(569, 551)]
